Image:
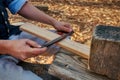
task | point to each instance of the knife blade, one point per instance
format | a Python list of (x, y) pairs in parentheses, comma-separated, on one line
[(47, 44)]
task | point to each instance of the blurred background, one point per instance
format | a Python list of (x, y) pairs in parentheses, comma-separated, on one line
[(83, 15)]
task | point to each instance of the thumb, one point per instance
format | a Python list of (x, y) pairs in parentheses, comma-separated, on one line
[(32, 44), (38, 51), (66, 29)]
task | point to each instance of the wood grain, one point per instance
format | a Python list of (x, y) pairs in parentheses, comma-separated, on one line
[(105, 52), (68, 66)]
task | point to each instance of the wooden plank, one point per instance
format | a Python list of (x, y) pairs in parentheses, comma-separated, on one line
[(67, 44), (68, 66), (17, 23)]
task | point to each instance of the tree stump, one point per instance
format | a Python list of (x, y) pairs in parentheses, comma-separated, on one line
[(105, 51)]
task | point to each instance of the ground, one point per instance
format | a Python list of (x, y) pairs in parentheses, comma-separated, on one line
[(83, 15)]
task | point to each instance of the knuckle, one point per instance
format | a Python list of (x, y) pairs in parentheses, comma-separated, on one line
[(34, 43), (43, 50), (23, 57), (26, 39), (19, 51)]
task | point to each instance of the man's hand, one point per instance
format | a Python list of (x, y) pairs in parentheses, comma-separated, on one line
[(23, 48), (30, 12), (62, 26)]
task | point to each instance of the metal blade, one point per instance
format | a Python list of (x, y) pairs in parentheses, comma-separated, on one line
[(47, 44)]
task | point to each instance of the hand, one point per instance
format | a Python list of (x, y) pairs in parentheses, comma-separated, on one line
[(62, 26), (24, 48)]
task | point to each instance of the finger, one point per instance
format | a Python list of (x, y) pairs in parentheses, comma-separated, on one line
[(69, 27), (38, 51), (66, 29), (32, 44)]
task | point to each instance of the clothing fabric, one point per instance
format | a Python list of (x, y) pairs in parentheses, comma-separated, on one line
[(9, 70), (14, 6)]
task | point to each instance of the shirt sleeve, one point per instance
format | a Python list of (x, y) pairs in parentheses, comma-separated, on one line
[(15, 5)]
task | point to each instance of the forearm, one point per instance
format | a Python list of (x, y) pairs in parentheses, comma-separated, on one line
[(30, 12)]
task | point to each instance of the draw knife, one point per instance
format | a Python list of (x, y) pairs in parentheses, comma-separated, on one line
[(47, 44)]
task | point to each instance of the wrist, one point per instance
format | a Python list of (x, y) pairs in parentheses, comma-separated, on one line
[(53, 22), (4, 48)]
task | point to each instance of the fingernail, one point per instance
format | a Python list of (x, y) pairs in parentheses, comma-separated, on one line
[(39, 46), (70, 30)]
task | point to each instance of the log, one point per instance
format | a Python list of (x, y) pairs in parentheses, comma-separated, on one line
[(105, 52), (39, 69), (69, 66), (67, 44)]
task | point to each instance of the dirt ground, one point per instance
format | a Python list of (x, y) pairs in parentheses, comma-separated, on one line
[(83, 15)]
